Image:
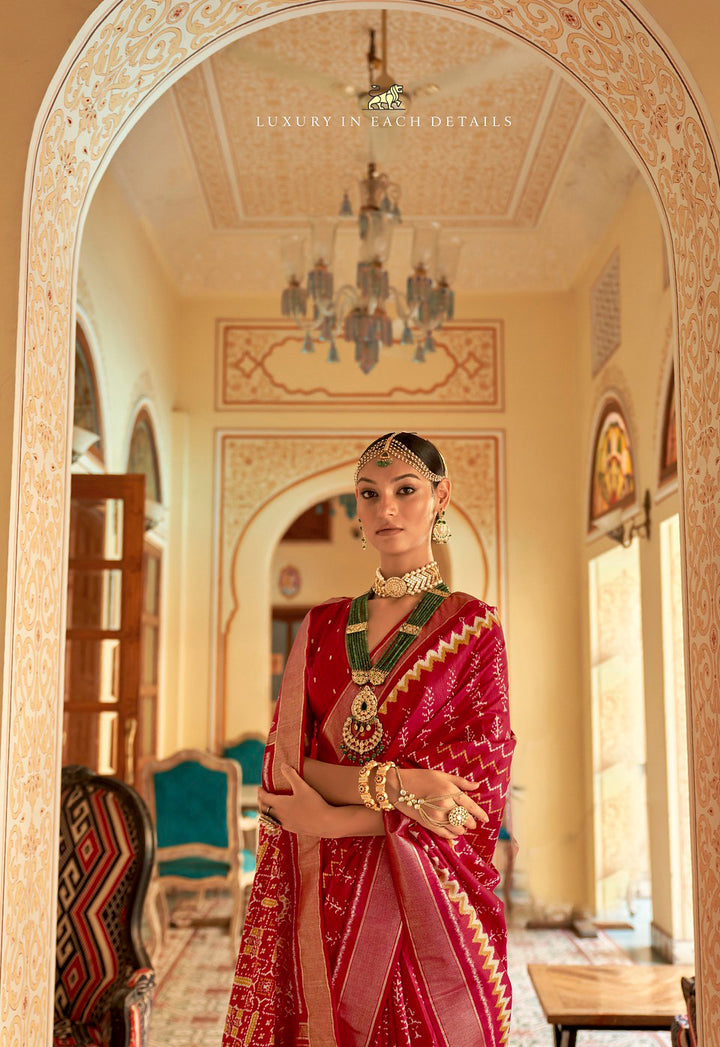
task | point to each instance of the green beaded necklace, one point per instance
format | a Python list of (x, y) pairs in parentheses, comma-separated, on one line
[(362, 734)]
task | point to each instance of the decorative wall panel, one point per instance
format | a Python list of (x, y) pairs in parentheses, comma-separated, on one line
[(605, 313), (260, 364)]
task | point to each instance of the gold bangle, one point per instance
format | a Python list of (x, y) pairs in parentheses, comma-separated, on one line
[(381, 795), (364, 786)]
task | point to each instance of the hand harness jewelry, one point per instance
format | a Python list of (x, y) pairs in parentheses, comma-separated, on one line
[(362, 733), (457, 816), (419, 580)]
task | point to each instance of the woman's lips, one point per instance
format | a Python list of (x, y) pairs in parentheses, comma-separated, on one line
[(388, 530)]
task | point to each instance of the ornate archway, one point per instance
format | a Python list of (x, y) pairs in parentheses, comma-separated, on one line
[(126, 55), (286, 472)]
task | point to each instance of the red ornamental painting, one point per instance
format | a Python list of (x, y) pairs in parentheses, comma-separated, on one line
[(613, 481)]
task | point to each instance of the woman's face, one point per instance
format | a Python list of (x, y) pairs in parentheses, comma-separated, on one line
[(397, 507)]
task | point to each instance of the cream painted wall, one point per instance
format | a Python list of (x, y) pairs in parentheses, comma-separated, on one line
[(541, 576), (543, 573), (131, 310), (543, 421), (129, 313), (637, 370)]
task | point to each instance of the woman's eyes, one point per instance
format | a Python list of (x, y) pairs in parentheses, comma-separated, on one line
[(406, 489)]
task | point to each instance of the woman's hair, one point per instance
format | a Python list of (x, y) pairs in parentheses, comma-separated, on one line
[(427, 452)]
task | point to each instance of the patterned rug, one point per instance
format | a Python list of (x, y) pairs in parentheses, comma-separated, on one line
[(195, 969)]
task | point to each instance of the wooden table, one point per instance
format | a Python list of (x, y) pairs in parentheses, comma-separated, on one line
[(614, 996)]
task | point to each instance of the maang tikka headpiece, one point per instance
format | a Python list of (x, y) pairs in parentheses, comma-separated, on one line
[(385, 451)]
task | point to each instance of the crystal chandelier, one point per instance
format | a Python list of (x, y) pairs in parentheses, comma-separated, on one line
[(359, 313)]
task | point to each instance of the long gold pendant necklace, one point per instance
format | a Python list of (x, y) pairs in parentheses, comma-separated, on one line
[(362, 733)]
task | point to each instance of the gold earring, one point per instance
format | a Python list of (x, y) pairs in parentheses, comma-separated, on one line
[(363, 539), (441, 531)]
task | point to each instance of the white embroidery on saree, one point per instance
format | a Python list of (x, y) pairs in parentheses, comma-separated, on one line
[(439, 654)]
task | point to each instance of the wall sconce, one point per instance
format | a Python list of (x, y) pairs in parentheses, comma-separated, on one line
[(637, 529), (155, 515)]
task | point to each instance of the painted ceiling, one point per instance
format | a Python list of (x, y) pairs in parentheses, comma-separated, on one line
[(502, 151)]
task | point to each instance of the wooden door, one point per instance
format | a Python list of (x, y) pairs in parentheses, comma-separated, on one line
[(105, 595)]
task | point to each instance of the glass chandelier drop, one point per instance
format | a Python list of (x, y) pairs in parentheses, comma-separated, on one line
[(359, 313)]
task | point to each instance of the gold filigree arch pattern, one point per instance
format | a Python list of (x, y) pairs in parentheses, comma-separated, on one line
[(126, 54)]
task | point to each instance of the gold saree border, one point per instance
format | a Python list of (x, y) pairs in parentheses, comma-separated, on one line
[(454, 1009), (313, 961), (289, 728), (289, 748), (361, 995), (490, 962)]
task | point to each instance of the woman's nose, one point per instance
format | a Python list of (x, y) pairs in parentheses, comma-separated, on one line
[(388, 505)]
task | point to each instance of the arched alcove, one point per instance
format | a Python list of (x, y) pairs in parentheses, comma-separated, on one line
[(131, 53), (143, 454), (87, 405)]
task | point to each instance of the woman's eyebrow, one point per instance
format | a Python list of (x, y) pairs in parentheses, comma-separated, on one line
[(393, 479)]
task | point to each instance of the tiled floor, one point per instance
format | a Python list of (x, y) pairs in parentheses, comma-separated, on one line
[(195, 971)]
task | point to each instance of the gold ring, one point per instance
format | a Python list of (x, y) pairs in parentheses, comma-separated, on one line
[(457, 816)]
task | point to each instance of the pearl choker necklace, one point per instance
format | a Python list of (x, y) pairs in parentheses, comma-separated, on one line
[(420, 580)]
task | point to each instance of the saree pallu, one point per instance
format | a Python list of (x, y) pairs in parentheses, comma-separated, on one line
[(394, 940)]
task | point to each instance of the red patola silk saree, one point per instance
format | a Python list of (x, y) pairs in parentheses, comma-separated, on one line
[(396, 940)]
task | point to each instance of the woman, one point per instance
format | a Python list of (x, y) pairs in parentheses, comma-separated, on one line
[(373, 920)]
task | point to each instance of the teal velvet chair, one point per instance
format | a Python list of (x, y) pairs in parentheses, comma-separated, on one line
[(248, 750), (194, 800)]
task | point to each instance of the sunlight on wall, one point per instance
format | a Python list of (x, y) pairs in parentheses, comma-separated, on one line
[(676, 729), (618, 720)]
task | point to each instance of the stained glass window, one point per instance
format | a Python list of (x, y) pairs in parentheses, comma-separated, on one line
[(143, 456), (613, 477), (668, 459), (86, 405)]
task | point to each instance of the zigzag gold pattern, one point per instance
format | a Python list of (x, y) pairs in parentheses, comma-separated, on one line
[(501, 999), (440, 653)]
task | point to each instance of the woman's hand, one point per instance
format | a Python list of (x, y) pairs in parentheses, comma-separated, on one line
[(443, 792), (303, 811)]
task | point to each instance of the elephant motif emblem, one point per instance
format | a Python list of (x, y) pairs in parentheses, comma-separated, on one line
[(389, 99)]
